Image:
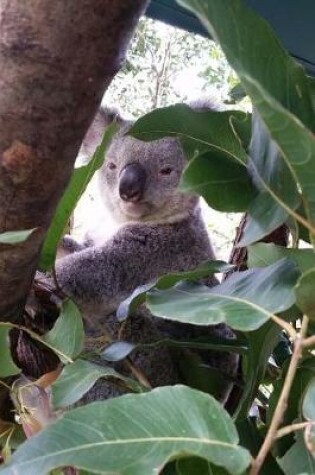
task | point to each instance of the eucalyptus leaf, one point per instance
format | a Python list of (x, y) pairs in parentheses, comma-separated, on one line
[(297, 460), (309, 401), (305, 296), (7, 366), (245, 301), (218, 179), (135, 434), (263, 254), (118, 350), (77, 378), (67, 335), (80, 179), (197, 131), (276, 96), (15, 237), (138, 296)]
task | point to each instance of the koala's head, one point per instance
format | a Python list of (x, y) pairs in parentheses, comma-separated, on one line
[(139, 180)]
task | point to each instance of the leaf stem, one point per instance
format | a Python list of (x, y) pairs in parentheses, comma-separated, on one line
[(283, 400), (292, 428), (286, 326)]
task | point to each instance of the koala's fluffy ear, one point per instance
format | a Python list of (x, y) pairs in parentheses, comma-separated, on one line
[(204, 104), (93, 137)]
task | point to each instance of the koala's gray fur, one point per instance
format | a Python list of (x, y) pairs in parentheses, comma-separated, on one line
[(160, 232)]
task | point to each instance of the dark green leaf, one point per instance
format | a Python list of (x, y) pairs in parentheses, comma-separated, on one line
[(244, 301), (77, 185), (218, 179), (305, 296), (198, 131), (271, 175), (67, 335), (197, 466), (15, 237), (138, 296), (135, 435), (262, 254), (261, 344), (7, 367), (77, 378)]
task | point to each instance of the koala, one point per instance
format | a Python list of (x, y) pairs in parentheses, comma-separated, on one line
[(159, 230)]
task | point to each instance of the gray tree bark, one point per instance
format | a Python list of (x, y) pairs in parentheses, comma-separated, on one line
[(56, 59)]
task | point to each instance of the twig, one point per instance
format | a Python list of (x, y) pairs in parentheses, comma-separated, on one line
[(292, 428), (310, 341), (286, 326), (138, 374), (283, 400)]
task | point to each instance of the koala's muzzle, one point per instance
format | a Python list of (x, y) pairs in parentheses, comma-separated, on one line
[(132, 181)]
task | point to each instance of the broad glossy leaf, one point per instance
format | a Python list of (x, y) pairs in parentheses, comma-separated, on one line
[(67, 335), (233, 24), (297, 460), (271, 175), (261, 343), (7, 366), (138, 296), (305, 295), (309, 402), (262, 254), (135, 435), (15, 237), (198, 131), (77, 185), (77, 378), (244, 301), (218, 179)]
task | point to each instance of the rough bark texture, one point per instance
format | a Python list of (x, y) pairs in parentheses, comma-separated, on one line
[(56, 59)]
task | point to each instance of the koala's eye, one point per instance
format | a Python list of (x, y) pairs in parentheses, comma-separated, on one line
[(166, 171), (111, 165)]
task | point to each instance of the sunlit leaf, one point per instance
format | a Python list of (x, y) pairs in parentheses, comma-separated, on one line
[(67, 335), (77, 378), (305, 296), (135, 435), (77, 185), (244, 301)]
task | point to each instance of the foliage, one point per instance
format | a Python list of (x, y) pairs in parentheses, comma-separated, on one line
[(268, 171)]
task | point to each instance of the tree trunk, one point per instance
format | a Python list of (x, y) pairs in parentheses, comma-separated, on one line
[(56, 58)]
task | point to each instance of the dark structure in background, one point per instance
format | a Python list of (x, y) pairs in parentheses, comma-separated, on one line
[(292, 20)]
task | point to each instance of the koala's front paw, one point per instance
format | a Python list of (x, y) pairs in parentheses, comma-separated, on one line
[(67, 246)]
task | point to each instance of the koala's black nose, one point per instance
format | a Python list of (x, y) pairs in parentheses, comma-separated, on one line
[(132, 182)]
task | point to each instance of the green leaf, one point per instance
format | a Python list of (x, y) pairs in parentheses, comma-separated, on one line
[(197, 466), (271, 175), (135, 435), (309, 401), (218, 179), (138, 296), (15, 237), (276, 84), (77, 378), (77, 185), (305, 297), (118, 350), (297, 460), (7, 366), (245, 301), (67, 335), (261, 343), (197, 131), (262, 254)]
